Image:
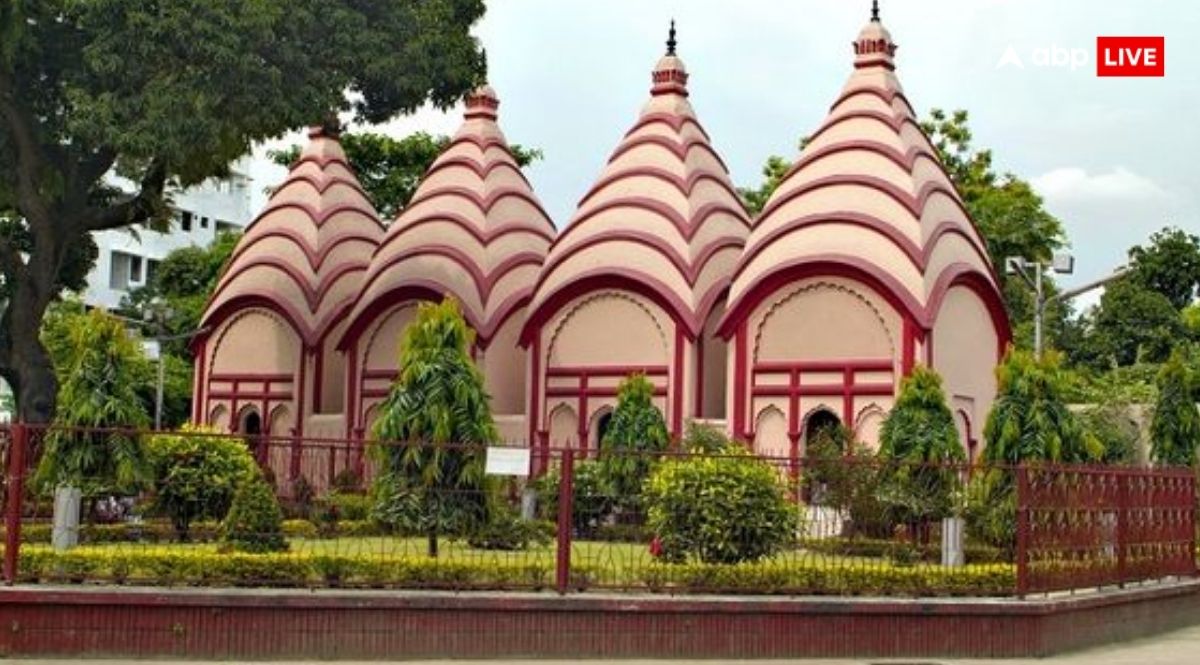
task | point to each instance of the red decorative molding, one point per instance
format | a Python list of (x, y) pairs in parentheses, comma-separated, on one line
[(918, 256), (683, 186), (822, 265), (604, 278), (673, 120), (913, 204), (689, 270), (316, 258), (484, 236), (677, 379), (482, 202), (687, 228), (679, 149)]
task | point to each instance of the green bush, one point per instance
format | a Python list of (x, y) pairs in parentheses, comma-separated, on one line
[(724, 509), (255, 522), (1175, 429), (991, 510), (196, 474), (843, 474), (878, 548), (591, 501), (506, 530)]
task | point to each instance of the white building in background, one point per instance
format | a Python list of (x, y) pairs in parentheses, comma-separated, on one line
[(128, 258)]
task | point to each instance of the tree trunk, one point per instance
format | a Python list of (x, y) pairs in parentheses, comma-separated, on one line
[(30, 371), (433, 544), (24, 361)]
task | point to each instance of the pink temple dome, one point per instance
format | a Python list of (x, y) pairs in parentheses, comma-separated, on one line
[(663, 213), (474, 230), (305, 254), (868, 191)]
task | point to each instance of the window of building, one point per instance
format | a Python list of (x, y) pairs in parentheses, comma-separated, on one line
[(204, 222), (151, 269), (185, 220), (124, 271)]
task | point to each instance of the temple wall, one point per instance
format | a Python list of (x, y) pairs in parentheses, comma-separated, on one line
[(964, 353)]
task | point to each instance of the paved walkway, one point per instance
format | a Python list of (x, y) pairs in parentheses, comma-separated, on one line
[(1178, 648)]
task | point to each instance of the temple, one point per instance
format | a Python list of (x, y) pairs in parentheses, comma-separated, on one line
[(863, 264)]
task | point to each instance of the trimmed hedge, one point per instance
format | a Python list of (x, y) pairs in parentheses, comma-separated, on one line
[(883, 549), (159, 531), (815, 578), (171, 566)]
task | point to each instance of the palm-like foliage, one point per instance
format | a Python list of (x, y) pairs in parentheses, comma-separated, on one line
[(1030, 419), (919, 445), (100, 394), (1175, 430), (432, 475), (636, 432)]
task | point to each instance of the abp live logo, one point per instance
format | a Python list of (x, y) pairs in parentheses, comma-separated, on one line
[(1131, 56)]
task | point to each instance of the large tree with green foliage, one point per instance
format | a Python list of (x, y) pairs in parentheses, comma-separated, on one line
[(1169, 265), (1030, 420), (390, 169), (87, 447), (1131, 324), (1175, 429), (169, 93), (430, 428)]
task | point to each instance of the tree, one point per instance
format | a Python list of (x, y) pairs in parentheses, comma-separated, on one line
[(64, 317), (1030, 420), (1131, 324), (1175, 429), (636, 433), (255, 521), (430, 428), (167, 94), (184, 281), (1170, 265), (196, 473), (88, 448), (919, 445), (390, 169), (755, 199)]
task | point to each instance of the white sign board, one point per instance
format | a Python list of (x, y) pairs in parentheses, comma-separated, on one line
[(507, 461)]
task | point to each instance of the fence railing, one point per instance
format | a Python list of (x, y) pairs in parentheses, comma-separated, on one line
[(670, 522)]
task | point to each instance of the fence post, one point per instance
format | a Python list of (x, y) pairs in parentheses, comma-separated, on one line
[(1122, 527), (1022, 530), (566, 494), (18, 443)]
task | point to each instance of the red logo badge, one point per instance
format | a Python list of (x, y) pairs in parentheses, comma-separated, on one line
[(1131, 56)]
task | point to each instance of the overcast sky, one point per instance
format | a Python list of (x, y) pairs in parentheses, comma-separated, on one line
[(1115, 159)]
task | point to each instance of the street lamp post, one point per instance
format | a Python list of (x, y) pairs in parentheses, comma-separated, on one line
[(1062, 264)]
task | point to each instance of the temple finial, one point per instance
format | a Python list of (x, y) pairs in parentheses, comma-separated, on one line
[(875, 10), (671, 43)]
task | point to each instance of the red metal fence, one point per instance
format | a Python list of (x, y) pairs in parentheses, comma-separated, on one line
[(859, 526), (1093, 527)]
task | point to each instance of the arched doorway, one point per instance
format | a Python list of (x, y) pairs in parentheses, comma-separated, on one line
[(819, 421), (250, 427), (602, 424)]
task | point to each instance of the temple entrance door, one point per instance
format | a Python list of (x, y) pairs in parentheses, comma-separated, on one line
[(818, 421), (251, 429)]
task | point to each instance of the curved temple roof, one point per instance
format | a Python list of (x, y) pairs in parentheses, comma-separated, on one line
[(306, 252), (869, 192), (474, 230), (663, 214)]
